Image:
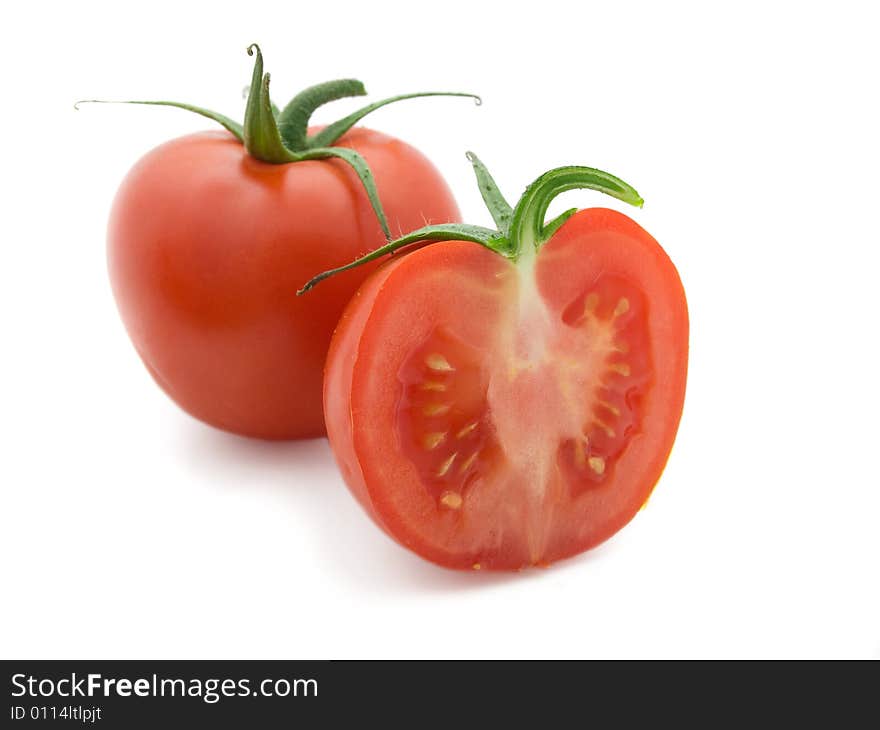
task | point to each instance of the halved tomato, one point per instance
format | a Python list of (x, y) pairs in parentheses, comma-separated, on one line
[(497, 411)]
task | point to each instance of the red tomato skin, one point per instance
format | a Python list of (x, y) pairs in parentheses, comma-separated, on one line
[(354, 429), (338, 381), (207, 247)]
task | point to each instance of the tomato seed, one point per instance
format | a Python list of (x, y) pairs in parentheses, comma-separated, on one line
[(446, 465), (436, 409), (433, 440), (467, 430), (451, 500), (439, 363)]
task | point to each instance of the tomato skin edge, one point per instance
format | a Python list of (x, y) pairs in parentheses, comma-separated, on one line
[(338, 376), (339, 380)]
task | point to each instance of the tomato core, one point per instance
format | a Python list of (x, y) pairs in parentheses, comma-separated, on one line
[(558, 396)]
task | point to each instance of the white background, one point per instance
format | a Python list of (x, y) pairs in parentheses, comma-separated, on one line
[(129, 530)]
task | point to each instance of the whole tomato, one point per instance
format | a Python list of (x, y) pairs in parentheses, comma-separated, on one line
[(211, 235)]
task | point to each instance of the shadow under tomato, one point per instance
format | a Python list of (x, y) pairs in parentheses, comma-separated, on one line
[(346, 541)]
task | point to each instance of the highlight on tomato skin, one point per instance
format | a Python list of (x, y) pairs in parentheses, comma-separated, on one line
[(494, 406)]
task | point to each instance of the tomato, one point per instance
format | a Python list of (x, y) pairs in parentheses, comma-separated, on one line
[(211, 235), (496, 407), (207, 247)]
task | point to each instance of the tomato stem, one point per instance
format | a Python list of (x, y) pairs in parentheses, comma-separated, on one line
[(281, 137), (361, 169), (521, 230), (230, 124), (262, 139), (498, 207), (528, 228), (332, 132), (441, 232), (293, 121)]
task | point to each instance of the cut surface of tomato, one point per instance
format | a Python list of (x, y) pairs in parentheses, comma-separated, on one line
[(497, 414)]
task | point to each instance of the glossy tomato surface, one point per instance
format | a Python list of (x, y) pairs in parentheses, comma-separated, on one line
[(207, 247), (497, 415)]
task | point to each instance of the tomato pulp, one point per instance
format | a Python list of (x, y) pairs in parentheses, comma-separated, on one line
[(497, 414), (207, 246)]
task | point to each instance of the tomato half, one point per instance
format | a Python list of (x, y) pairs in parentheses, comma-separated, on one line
[(207, 247), (491, 414)]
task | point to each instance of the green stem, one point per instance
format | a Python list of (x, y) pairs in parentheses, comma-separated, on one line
[(554, 225), (294, 119), (520, 230), (281, 137), (332, 132), (262, 139), (442, 232), (528, 229), (226, 122), (498, 207), (275, 136), (361, 169)]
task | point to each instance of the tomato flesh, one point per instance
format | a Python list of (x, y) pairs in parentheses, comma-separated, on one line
[(443, 420), (610, 326), (504, 415)]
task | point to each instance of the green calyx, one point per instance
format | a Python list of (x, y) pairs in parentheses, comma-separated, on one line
[(521, 230), (281, 136)]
